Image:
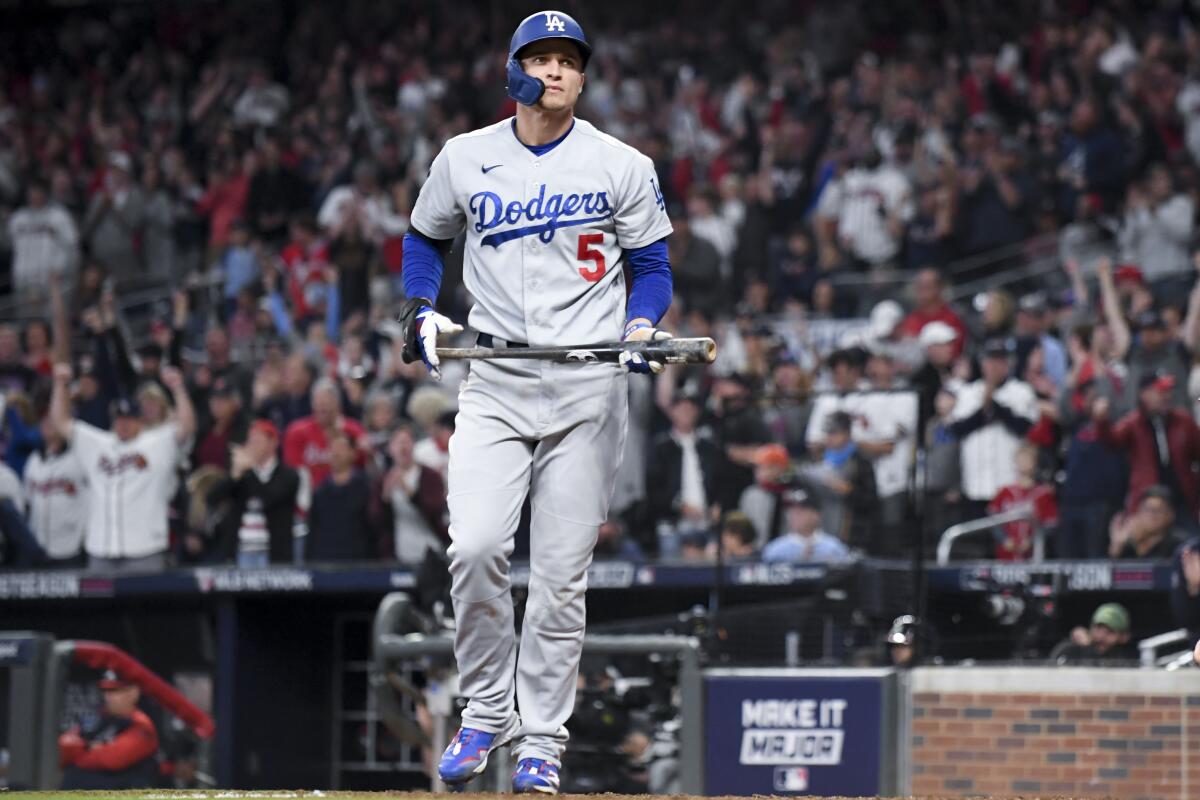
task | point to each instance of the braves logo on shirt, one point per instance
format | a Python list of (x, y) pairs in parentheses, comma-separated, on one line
[(129, 461), (54, 486), (548, 212)]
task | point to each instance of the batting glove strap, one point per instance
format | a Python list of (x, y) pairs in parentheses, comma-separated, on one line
[(410, 324), (633, 361), (421, 328), (634, 326)]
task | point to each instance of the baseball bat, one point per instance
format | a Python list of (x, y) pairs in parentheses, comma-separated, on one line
[(666, 351)]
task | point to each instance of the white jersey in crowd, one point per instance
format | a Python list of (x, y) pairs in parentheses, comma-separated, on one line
[(988, 454), (44, 241), (861, 201), (412, 535), (130, 485), (380, 218), (877, 417), (56, 491), (536, 225)]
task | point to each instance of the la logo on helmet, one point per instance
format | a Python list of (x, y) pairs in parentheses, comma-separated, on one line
[(555, 23)]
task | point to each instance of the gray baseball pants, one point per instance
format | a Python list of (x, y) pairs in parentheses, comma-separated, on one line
[(556, 431)]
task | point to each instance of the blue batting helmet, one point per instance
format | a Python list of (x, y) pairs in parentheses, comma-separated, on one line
[(526, 89)]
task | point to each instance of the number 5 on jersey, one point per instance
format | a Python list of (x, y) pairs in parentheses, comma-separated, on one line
[(586, 253)]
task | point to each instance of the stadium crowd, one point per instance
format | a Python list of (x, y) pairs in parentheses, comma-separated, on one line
[(832, 184)]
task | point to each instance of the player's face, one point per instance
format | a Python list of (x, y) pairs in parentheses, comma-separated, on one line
[(557, 63)]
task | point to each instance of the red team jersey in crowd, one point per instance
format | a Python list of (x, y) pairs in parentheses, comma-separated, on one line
[(305, 447), (911, 325), (1017, 541), (305, 269)]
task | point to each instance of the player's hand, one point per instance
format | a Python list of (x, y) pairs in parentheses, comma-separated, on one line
[(62, 373), (422, 325), (641, 331)]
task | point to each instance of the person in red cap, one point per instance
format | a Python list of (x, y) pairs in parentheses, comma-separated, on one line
[(1155, 350), (257, 531), (1162, 444), (760, 501), (117, 751)]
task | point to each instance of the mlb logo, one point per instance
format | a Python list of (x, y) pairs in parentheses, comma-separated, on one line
[(791, 779)]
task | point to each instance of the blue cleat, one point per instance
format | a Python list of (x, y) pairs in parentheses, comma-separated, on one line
[(467, 755), (535, 775)]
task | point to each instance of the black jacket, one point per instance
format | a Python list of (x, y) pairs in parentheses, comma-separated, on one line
[(278, 498), (664, 480), (339, 522)]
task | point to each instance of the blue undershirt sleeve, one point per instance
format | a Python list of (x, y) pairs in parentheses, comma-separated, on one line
[(424, 259), (650, 293)]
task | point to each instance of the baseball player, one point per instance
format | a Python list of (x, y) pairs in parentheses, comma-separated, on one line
[(553, 211), (130, 474)]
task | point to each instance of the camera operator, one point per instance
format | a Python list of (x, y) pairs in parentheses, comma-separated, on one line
[(1105, 641)]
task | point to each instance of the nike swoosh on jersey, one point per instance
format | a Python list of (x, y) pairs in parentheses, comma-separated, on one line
[(486, 170)]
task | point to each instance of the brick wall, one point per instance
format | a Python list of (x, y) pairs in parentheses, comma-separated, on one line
[(1107, 734)]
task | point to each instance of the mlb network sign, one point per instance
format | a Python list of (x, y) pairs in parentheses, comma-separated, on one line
[(794, 731)]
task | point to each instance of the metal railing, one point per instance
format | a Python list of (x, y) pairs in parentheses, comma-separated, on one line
[(956, 532), (1148, 649)]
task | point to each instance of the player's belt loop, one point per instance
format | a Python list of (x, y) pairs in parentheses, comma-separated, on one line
[(487, 340)]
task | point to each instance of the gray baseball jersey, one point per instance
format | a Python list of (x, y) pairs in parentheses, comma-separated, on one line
[(544, 233), (543, 257)]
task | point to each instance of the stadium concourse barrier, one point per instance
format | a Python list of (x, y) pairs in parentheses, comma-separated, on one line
[(290, 649)]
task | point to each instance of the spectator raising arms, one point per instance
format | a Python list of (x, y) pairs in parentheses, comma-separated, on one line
[(130, 474), (1161, 443)]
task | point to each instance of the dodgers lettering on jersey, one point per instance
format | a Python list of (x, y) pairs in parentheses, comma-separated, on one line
[(545, 234)]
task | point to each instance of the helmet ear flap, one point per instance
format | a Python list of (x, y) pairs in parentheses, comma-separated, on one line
[(523, 87)]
